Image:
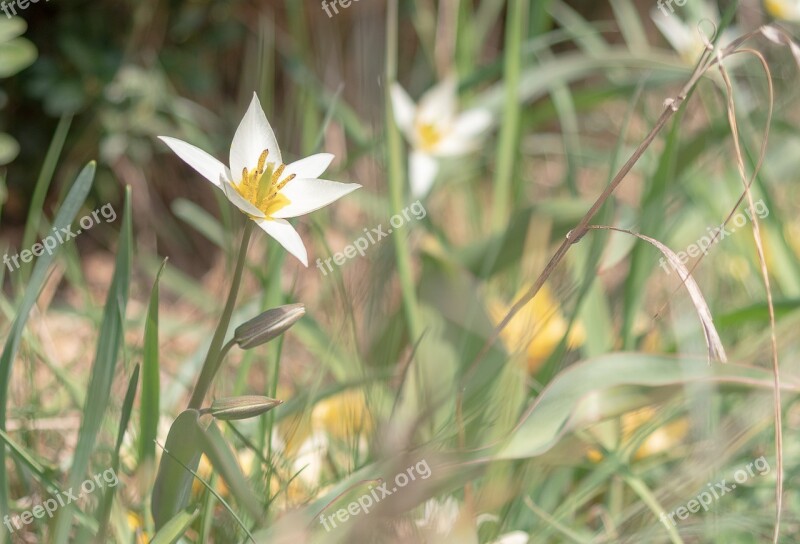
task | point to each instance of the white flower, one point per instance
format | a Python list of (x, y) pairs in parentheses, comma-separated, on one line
[(514, 537), (439, 517), (434, 130), (686, 37), (788, 10), (258, 182)]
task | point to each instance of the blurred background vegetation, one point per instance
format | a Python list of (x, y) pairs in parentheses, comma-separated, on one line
[(612, 439)]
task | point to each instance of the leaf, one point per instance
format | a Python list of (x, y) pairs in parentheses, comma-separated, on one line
[(176, 527), (715, 349), (173, 482), (108, 496), (554, 412), (186, 441), (150, 404), (66, 214), (16, 55), (109, 344)]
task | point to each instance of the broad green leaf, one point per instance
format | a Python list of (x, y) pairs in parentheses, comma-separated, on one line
[(15, 55), (555, 411), (173, 482)]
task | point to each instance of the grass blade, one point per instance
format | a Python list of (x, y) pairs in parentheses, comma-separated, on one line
[(66, 214), (110, 341)]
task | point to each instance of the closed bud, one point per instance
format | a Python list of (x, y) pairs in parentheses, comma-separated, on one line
[(271, 324), (243, 407)]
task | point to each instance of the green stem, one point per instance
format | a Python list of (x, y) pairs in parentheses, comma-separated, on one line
[(650, 500), (509, 131), (395, 169), (216, 350)]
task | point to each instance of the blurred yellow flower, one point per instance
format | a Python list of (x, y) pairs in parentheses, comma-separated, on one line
[(788, 10), (137, 526), (342, 416), (537, 329), (660, 440)]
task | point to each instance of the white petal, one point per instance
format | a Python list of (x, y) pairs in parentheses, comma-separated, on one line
[(403, 107), (472, 123), (422, 171), (454, 144), (438, 105), (515, 537), (310, 167), (253, 136), (677, 33), (206, 165), (284, 233), (239, 201), (308, 195)]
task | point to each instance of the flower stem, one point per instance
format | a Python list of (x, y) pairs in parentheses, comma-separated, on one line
[(216, 351), (395, 170), (509, 131)]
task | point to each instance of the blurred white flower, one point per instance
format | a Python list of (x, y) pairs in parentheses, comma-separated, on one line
[(258, 182), (310, 459), (439, 516), (689, 37), (435, 129), (788, 10), (514, 537)]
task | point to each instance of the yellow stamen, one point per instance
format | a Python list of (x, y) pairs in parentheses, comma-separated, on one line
[(262, 185), (429, 136)]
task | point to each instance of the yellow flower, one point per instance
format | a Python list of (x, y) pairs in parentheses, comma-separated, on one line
[(660, 440), (537, 328), (137, 526), (788, 10), (342, 416)]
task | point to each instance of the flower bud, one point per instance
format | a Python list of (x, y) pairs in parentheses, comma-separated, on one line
[(271, 324), (243, 407)]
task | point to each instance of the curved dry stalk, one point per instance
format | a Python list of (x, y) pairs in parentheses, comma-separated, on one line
[(715, 349), (764, 273)]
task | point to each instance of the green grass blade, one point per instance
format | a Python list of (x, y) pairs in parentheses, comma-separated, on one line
[(110, 342), (151, 399), (108, 497), (176, 527), (33, 223), (508, 143), (66, 214)]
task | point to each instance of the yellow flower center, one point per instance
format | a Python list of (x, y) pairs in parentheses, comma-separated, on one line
[(261, 186), (429, 136)]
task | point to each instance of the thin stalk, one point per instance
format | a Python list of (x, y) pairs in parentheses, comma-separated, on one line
[(394, 150), (216, 350), (508, 142)]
